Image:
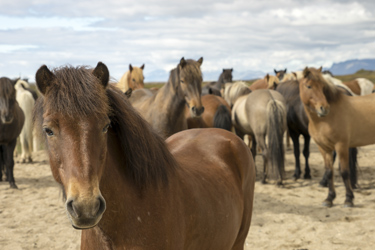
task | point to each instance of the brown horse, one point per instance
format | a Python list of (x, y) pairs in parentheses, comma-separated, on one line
[(11, 122), (164, 109), (268, 82), (217, 114), (336, 122), (132, 79), (121, 183)]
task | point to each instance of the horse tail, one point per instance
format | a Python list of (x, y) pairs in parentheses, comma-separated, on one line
[(222, 118), (276, 125), (353, 164)]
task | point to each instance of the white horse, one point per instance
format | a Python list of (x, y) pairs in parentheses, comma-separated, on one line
[(26, 101)]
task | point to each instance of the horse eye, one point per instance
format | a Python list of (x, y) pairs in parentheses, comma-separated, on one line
[(182, 81), (308, 86), (133, 80), (48, 131), (105, 129)]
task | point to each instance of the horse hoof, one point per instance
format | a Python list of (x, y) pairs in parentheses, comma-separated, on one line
[(13, 185), (264, 182), (323, 184), (327, 203), (348, 204), (307, 177)]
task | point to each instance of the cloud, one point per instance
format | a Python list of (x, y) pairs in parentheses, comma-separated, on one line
[(244, 35)]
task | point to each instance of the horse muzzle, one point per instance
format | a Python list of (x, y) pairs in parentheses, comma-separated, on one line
[(196, 111), (7, 119), (85, 214), (322, 111)]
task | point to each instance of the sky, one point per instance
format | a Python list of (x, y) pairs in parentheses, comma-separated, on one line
[(252, 37)]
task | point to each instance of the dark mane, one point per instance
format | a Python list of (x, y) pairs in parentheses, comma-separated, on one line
[(191, 72), (77, 92), (331, 92)]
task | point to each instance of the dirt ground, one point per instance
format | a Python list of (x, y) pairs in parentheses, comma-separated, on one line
[(288, 217)]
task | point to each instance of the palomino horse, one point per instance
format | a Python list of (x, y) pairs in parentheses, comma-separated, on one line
[(268, 82), (11, 122), (133, 79), (260, 114), (283, 76), (215, 87), (164, 109), (217, 114), (336, 122), (298, 122), (26, 101), (121, 183)]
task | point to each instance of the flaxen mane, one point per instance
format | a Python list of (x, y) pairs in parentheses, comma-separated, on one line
[(331, 92), (77, 92)]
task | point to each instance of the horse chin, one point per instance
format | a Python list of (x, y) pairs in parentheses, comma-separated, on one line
[(84, 224), (4, 120), (322, 114)]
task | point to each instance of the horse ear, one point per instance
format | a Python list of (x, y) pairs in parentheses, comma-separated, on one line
[(182, 62), (295, 74), (44, 78), (267, 77), (306, 72), (285, 70), (102, 73), (130, 67), (143, 66), (275, 71), (210, 91), (223, 70), (200, 61), (231, 70), (320, 69)]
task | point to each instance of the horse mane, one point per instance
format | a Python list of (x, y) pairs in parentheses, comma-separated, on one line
[(330, 91), (77, 92), (234, 90)]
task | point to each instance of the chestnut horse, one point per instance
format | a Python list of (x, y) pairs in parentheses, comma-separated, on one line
[(132, 79), (11, 122), (217, 114), (164, 109), (127, 188), (336, 122), (268, 82)]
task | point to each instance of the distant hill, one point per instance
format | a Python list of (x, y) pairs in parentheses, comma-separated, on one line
[(352, 66)]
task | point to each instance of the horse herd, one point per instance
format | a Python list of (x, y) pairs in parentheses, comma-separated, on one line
[(161, 168)]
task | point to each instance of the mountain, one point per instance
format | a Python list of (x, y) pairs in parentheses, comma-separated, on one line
[(352, 66)]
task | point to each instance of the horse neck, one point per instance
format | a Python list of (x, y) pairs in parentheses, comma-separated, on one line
[(220, 81), (172, 107)]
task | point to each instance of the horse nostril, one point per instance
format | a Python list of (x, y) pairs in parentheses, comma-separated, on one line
[(193, 108), (101, 206), (202, 110), (71, 209)]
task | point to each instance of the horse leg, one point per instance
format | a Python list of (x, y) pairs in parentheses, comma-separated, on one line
[(343, 155), (328, 162), (324, 181), (297, 172), (287, 139), (10, 163), (306, 154), (262, 144), (254, 149)]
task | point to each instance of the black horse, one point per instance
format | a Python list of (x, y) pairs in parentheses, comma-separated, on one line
[(298, 122), (213, 88), (11, 123)]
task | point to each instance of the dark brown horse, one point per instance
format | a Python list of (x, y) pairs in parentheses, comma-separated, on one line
[(214, 88), (126, 186), (164, 109), (11, 121), (217, 114), (336, 122)]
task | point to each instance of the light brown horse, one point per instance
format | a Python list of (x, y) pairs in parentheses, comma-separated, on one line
[(336, 122), (268, 82), (127, 187), (132, 79), (164, 109), (217, 114)]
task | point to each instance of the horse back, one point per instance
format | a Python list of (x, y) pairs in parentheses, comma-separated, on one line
[(216, 180)]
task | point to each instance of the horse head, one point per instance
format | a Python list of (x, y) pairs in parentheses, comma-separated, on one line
[(75, 123), (190, 84), (7, 100), (272, 81), (135, 77), (227, 75), (315, 92), (280, 73)]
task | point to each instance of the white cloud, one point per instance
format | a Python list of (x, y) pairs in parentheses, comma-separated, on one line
[(244, 35)]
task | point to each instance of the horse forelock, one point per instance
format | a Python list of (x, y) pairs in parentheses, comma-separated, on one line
[(192, 71), (330, 91), (7, 92), (76, 92)]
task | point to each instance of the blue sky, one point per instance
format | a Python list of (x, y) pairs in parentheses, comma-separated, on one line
[(252, 37)]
